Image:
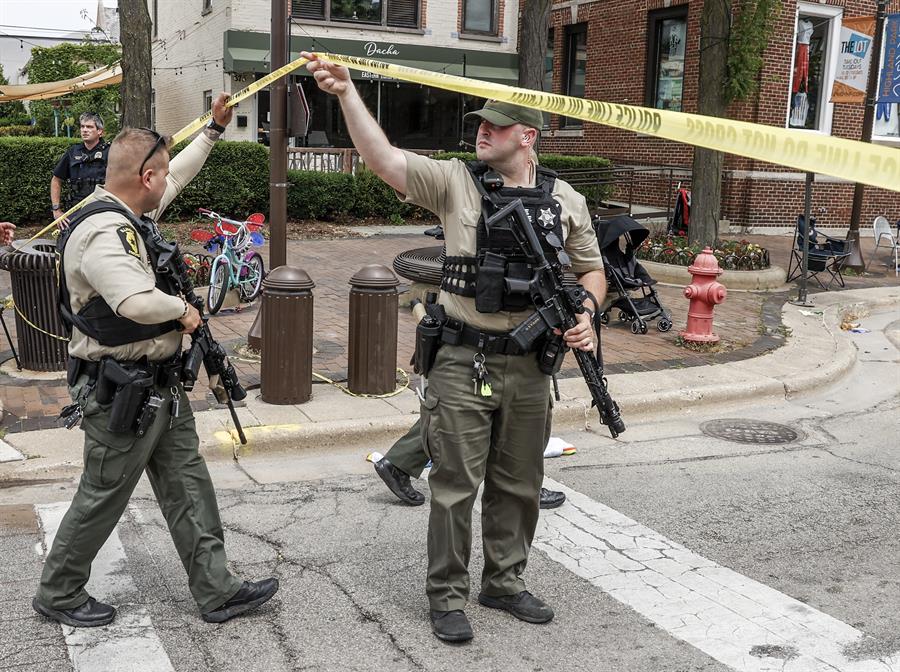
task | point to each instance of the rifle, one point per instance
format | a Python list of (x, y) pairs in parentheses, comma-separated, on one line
[(556, 306), (204, 347)]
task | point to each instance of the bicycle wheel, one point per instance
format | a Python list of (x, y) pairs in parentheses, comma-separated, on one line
[(251, 283), (218, 285)]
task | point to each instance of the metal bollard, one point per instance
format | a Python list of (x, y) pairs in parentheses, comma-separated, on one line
[(287, 305), (372, 347)]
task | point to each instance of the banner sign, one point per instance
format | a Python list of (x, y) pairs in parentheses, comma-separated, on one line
[(889, 84), (852, 72)]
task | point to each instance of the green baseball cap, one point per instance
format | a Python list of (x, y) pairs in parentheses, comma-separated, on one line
[(506, 114)]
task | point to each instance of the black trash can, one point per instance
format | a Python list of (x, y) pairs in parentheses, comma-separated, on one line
[(42, 337)]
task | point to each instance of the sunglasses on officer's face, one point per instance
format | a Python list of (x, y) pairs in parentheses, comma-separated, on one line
[(160, 142)]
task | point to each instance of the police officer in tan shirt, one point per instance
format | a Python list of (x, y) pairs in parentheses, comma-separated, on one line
[(126, 340), (484, 415)]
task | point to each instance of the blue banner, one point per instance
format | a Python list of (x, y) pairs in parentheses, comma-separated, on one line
[(889, 83)]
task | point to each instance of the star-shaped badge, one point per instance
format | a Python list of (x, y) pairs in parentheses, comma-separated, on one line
[(546, 218)]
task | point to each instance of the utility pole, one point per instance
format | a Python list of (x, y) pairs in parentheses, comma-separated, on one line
[(855, 260), (278, 183)]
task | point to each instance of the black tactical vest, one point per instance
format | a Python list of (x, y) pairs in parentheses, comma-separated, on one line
[(498, 255), (96, 319), (87, 169)]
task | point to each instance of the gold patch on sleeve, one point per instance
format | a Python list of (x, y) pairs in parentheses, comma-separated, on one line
[(129, 240)]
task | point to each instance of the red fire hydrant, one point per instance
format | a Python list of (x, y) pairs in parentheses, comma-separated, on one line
[(704, 292)]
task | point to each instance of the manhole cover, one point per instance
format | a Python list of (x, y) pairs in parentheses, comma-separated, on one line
[(749, 431)]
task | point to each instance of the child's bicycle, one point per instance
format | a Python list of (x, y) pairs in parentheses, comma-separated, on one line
[(236, 265)]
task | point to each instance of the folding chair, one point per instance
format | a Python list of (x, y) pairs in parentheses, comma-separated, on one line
[(882, 230), (826, 257)]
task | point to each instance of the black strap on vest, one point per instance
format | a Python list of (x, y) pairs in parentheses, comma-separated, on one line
[(96, 319)]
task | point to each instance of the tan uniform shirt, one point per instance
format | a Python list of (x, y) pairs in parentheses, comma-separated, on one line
[(106, 256), (446, 188)]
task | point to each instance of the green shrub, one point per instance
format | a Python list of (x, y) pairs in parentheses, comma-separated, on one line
[(17, 131), (26, 166), (234, 181), (374, 198), (315, 195)]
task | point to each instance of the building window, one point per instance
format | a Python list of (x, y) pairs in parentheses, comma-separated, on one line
[(207, 100), (480, 16), (207, 7), (155, 18), (393, 13), (816, 41), (667, 36), (575, 54), (547, 84)]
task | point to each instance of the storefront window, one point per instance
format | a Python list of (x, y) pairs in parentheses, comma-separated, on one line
[(576, 67), (810, 48), (665, 76), (480, 16), (548, 73)]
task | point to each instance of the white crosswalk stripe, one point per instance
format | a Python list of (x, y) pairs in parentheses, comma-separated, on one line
[(734, 619), (127, 644)]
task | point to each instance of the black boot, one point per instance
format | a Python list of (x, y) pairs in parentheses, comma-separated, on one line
[(88, 615), (398, 482), (550, 499), (451, 626), (524, 606), (251, 595)]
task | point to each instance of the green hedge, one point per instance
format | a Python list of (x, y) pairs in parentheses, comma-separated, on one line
[(233, 181), (26, 166)]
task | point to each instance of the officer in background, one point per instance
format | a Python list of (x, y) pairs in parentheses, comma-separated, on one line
[(82, 167), (484, 415), (125, 346)]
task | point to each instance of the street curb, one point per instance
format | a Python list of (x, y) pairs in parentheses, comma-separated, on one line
[(816, 353)]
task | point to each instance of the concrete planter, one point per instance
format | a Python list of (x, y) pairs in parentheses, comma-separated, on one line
[(769, 279)]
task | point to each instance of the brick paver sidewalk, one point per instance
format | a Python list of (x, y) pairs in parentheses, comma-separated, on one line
[(748, 323)]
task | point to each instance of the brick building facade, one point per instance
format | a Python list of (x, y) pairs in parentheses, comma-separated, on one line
[(618, 60)]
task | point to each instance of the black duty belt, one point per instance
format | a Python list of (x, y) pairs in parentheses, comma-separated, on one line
[(488, 342), (165, 373)]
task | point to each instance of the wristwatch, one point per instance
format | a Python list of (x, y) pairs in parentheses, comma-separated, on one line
[(212, 125), (54, 206)]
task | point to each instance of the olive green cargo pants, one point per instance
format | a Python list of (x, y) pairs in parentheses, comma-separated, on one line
[(113, 464), (408, 452), (498, 440)]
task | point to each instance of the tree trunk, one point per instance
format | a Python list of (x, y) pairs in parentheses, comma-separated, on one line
[(137, 63), (706, 183), (533, 43)]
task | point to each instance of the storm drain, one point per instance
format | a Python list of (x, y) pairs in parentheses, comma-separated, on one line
[(758, 432)]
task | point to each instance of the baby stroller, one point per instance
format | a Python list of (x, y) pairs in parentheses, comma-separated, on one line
[(625, 275)]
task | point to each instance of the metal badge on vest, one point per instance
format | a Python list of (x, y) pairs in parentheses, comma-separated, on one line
[(499, 260), (96, 318)]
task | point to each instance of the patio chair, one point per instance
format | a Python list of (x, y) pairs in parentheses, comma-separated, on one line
[(826, 255), (882, 229)]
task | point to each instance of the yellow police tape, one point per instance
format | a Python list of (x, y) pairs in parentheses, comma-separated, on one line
[(849, 159), (810, 152), (192, 128)]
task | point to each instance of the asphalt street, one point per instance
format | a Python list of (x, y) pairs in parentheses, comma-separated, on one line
[(678, 550)]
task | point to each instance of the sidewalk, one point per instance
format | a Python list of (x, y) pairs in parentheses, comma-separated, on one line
[(749, 323)]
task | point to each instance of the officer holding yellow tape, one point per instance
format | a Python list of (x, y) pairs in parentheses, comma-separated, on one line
[(485, 413), (125, 373)]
